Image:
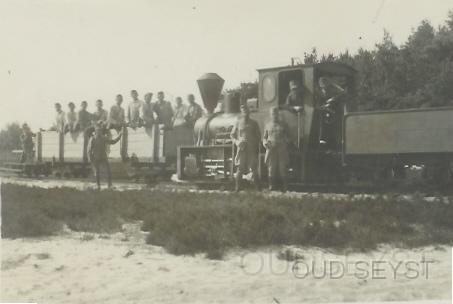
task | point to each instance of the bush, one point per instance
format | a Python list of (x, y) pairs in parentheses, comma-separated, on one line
[(190, 223)]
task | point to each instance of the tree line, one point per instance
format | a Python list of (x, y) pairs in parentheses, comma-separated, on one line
[(417, 74)]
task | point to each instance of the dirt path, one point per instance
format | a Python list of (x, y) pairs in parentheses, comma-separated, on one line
[(121, 268)]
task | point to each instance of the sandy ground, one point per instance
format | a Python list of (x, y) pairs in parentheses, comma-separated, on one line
[(121, 268)]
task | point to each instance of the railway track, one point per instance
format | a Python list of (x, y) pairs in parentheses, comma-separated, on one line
[(308, 191)]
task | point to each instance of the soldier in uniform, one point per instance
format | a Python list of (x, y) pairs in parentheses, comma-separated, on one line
[(295, 100), (163, 110), (97, 151), (117, 119), (133, 111), (275, 140), (26, 139), (71, 118), (180, 112), (247, 137), (194, 111), (147, 111), (100, 113), (83, 117), (60, 119)]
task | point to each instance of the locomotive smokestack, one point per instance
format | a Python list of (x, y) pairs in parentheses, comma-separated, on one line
[(210, 85)]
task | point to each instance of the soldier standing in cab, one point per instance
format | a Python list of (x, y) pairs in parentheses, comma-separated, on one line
[(98, 150), (295, 98), (247, 138), (117, 118), (26, 139), (60, 119), (100, 114), (71, 116), (275, 140), (147, 111), (194, 111), (133, 111), (180, 112), (163, 110)]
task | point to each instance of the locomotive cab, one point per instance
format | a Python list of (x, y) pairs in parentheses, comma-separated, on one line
[(315, 131)]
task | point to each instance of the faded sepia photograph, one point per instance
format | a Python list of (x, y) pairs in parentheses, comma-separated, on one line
[(242, 151)]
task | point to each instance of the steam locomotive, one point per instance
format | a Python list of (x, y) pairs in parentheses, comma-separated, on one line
[(330, 142)]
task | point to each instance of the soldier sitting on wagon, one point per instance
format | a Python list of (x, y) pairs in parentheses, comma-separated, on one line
[(26, 139), (180, 112), (100, 113), (60, 119), (71, 121), (133, 111), (194, 111), (147, 111), (117, 119), (83, 117), (163, 110), (98, 150)]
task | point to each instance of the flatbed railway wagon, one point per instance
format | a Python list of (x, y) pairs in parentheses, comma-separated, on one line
[(142, 153)]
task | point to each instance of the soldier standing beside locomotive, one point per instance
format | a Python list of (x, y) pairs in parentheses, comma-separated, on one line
[(98, 149), (247, 137), (275, 139)]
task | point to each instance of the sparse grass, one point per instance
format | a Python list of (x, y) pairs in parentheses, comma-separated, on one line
[(189, 223)]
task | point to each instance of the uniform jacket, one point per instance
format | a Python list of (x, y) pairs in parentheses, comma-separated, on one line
[(116, 115), (275, 139), (98, 146)]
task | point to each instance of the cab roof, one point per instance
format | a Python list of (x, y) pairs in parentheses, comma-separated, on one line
[(326, 66)]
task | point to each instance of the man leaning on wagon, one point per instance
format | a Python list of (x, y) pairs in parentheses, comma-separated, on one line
[(247, 138), (26, 139)]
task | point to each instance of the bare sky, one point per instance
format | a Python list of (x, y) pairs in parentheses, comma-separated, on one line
[(74, 50)]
